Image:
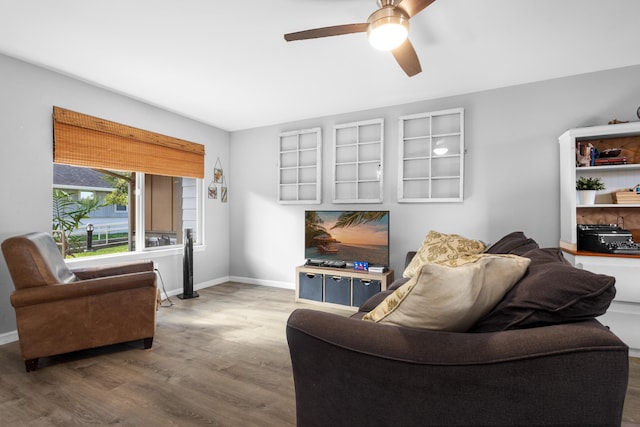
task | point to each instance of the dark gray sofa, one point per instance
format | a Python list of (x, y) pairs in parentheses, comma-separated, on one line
[(567, 370)]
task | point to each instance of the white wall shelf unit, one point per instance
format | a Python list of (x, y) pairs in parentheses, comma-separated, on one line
[(431, 157), (624, 313), (300, 167), (358, 164), (616, 178)]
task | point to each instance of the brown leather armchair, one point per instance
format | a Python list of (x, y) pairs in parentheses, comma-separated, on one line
[(59, 310)]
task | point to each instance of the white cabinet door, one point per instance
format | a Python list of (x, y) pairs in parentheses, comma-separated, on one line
[(358, 164), (299, 167), (431, 157)]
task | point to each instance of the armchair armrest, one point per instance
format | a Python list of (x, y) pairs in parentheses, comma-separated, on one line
[(113, 270), (82, 288), (354, 372)]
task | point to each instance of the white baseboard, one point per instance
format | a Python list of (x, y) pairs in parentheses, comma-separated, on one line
[(196, 287), (271, 283), (8, 337)]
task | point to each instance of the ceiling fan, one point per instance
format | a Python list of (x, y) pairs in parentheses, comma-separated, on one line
[(387, 29)]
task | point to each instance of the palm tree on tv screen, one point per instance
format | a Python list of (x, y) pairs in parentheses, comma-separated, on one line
[(313, 227), (347, 219)]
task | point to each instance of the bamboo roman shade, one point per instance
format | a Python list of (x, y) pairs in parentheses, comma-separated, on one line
[(82, 140)]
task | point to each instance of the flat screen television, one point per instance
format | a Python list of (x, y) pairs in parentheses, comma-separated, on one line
[(347, 236)]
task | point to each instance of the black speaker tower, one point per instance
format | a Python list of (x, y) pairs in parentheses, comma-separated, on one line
[(187, 267)]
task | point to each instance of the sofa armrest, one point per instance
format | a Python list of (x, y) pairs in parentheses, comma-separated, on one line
[(375, 374), (82, 288), (409, 257), (113, 270)]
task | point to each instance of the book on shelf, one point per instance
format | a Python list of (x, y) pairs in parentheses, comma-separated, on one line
[(610, 161), (585, 154)]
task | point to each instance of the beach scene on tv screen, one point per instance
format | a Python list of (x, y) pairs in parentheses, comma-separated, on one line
[(347, 236)]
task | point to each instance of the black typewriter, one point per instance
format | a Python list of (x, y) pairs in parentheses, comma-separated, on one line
[(608, 239)]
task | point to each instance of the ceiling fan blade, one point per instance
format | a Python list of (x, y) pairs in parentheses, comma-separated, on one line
[(407, 58), (413, 7), (336, 30)]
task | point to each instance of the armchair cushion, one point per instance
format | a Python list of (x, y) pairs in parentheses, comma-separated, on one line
[(113, 270), (451, 298), (551, 292)]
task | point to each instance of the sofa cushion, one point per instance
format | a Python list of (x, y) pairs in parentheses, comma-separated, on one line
[(375, 300), (552, 291), (513, 243), (440, 247), (453, 295)]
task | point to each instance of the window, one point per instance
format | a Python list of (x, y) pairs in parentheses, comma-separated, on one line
[(147, 190), (84, 195), (168, 205)]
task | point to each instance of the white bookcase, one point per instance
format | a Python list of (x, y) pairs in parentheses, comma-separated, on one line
[(299, 167), (358, 164), (431, 157), (624, 313)]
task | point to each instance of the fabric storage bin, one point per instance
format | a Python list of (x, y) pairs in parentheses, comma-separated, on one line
[(363, 289), (310, 286), (337, 289)]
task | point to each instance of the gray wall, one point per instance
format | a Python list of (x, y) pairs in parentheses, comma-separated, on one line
[(27, 96), (511, 171)]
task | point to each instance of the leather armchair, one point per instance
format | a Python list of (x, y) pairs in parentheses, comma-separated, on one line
[(59, 310)]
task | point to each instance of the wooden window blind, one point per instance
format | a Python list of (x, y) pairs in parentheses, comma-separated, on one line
[(82, 140)]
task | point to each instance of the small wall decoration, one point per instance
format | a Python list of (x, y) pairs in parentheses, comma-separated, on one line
[(218, 178), (213, 191), (223, 196)]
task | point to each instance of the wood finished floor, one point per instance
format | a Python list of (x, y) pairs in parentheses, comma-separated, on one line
[(221, 360)]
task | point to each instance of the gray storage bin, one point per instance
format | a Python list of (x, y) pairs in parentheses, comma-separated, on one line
[(337, 289), (310, 286), (363, 289)]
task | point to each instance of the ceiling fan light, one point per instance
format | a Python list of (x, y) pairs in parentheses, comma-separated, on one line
[(388, 28)]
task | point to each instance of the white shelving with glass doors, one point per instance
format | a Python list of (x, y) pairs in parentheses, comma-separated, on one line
[(431, 157), (299, 166), (358, 164)]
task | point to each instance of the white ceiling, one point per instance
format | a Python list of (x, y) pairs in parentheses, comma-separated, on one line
[(226, 63)]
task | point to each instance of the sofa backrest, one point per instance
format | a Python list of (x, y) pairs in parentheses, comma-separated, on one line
[(34, 260)]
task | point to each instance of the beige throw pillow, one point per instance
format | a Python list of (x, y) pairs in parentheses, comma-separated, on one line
[(452, 296), (439, 248)]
